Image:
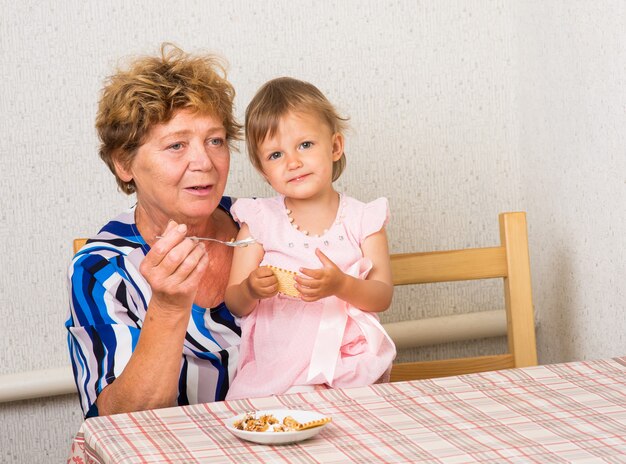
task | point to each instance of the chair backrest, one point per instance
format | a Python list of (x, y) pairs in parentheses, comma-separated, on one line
[(509, 261), (78, 244)]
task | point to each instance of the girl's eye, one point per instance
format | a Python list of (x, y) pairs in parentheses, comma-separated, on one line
[(274, 155), (216, 142), (306, 145)]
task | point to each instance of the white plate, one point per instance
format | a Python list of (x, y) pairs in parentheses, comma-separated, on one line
[(270, 437)]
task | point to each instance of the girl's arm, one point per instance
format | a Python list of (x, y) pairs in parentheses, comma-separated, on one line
[(372, 295), (248, 282)]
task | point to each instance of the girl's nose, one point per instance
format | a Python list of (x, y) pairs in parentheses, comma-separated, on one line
[(293, 160)]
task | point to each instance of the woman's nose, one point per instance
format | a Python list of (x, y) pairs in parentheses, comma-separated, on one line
[(200, 158)]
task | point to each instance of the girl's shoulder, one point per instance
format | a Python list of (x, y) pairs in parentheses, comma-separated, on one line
[(253, 206), (365, 218), (378, 206), (258, 213)]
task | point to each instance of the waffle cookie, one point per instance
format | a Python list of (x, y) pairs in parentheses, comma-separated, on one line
[(314, 423), (285, 281)]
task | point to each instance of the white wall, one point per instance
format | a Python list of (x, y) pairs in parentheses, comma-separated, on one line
[(572, 151), (460, 110)]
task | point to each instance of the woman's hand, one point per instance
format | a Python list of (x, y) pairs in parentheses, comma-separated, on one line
[(174, 267), (262, 283), (320, 283)]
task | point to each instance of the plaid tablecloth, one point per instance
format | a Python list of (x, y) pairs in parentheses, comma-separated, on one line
[(571, 412)]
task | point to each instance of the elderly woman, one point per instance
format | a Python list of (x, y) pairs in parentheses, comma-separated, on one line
[(147, 325)]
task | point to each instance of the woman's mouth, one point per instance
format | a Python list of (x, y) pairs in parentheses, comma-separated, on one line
[(199, 189)]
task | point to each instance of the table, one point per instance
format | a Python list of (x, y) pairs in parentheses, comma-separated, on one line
[(570, 412)]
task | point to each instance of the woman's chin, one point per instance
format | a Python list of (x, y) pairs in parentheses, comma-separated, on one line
[(200, 211)]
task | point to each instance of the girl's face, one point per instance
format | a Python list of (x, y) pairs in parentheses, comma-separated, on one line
[(298, 160), (181, 170)]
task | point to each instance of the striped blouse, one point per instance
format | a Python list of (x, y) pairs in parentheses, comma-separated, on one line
[(108, 302)]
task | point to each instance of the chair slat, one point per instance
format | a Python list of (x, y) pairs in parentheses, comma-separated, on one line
[(448, 266), (448, 367), (78, 244)]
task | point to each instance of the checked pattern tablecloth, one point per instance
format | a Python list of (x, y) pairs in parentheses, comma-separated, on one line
[(571, 412)]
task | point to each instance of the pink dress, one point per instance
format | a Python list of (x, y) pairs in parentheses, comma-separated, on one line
[(286, 342)]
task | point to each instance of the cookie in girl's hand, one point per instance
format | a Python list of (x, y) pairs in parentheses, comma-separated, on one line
[(286, 281)]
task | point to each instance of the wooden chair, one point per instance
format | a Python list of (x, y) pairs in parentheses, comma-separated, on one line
[(508, 261)]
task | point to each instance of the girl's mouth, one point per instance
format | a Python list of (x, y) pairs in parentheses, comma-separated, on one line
[(299, 178)]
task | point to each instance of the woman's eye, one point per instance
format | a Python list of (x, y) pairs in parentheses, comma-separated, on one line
[(175, 146), (216, 142), (275, 155), (306, 145)]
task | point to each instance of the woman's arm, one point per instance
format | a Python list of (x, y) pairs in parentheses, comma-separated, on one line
[(173, 269), (150, 379), (372, 295), (248, 282)]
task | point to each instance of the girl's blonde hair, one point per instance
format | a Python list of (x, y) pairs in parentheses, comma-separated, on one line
[(280, 96), (150, 91)]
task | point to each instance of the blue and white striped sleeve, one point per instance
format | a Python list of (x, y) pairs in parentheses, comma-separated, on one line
[(103, 324)]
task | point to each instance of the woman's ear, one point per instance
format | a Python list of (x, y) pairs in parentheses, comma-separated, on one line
[(338, 143), (122, 168)]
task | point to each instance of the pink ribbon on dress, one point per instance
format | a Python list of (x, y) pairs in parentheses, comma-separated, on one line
[(332, 326)]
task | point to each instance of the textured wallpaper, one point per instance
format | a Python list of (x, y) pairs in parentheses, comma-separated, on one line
[(459, 110)]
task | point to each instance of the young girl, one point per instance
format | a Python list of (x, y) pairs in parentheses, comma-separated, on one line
[(319, 328)]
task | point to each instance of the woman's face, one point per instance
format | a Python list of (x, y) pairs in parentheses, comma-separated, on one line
[(180, 172)]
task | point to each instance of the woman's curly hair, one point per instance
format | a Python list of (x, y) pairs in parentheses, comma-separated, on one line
[(150, 91)]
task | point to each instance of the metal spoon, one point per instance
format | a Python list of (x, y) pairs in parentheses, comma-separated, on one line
[(233, 243)]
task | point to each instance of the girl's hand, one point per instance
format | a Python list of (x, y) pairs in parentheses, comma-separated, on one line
[(173, 268), (262, 283), (320, 283)]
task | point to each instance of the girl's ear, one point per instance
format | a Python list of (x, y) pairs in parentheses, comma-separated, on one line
[(122, 169), (337, 142)]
